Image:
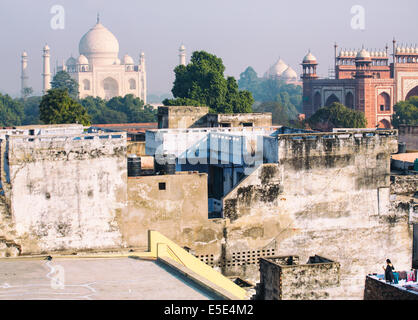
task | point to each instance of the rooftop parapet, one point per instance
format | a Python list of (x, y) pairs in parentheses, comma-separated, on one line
[(64, 147)]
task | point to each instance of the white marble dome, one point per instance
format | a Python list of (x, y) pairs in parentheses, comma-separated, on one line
[(127, 59), (82, 59), (289, 74), (277, 69), (363, 54), (99, 45)]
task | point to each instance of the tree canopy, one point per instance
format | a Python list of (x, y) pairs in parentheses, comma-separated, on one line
[(63, 80), (126, 109), (337, 116), (405, 112), (11, 111), (283, 100), (282, 113), (270, 89), (58, 107), (202, 83)]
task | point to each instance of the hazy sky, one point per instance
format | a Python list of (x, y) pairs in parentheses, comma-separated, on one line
[(242, 32)]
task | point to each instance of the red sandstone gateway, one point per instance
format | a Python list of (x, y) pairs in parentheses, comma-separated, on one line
[(364, 81)]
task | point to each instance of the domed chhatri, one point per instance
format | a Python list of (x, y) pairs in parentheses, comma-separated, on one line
[(99, 45), (82, 59), (363, 54), (309, 58), (127, 59)]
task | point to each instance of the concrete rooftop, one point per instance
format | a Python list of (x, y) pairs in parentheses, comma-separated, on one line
[(94, 279)]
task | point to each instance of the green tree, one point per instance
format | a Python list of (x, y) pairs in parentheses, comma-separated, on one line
[(337, 116), (11, 111), (58, 107), (269, 89), (405, 112), (202, 82), (126, 109), (63, 80), (248, 80), (133, 107), (182, 102), (31, 110), (26, 92), (281, 114)]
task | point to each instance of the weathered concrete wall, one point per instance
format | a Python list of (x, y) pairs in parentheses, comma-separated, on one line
[(409, 135), (282, 281), (66, 192), (242, 119), (379, 290), (406, 185), (328, 196), (179, 212), (181, 117)]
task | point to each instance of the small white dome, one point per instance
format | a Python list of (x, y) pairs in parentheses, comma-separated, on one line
[(403, 50), (71, 62), (46, 47), (373, 54), (309, 58), (398, 50), (363, 54), (289, 73), (182, 47), (127, 59), (277, 69), (82, 59)]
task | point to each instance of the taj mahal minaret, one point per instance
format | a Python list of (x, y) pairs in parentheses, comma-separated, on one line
[(24, 74), (182, 55), (46, 75)]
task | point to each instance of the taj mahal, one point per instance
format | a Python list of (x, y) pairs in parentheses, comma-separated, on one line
[(98, 69)]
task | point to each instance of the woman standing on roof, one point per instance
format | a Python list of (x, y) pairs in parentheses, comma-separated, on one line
[(389, 271)]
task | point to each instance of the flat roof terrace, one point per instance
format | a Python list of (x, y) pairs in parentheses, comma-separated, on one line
[(94, 279)]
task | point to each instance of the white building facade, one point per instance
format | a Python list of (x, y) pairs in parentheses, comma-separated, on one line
[(99, 71)]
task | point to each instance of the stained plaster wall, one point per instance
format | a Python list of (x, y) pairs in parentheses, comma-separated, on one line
[(326, 195), (65, 192), (180, 212)]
